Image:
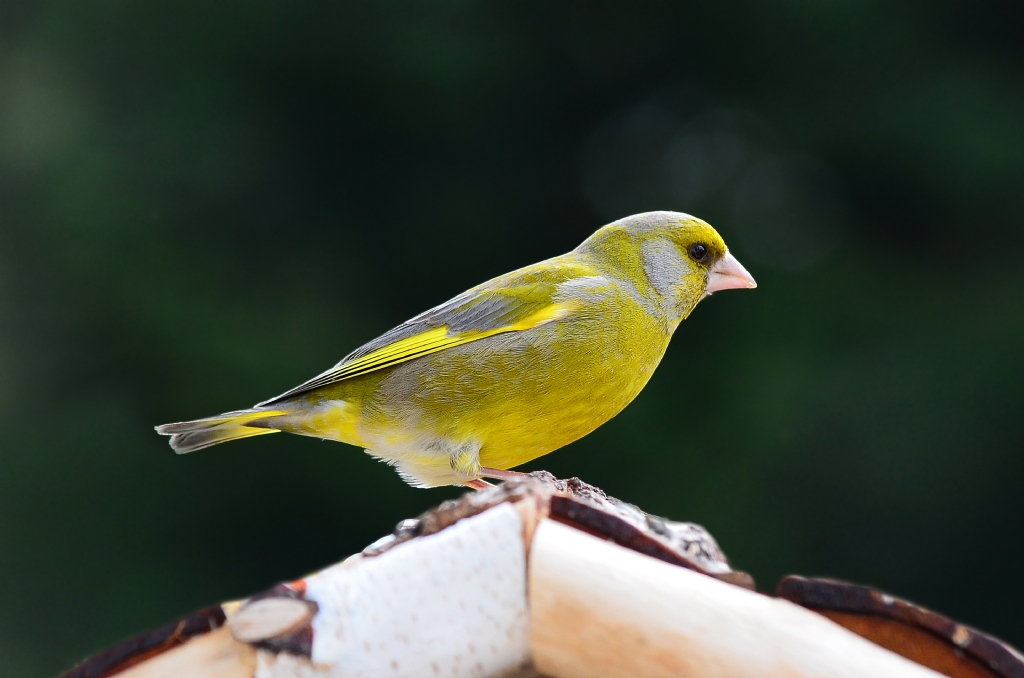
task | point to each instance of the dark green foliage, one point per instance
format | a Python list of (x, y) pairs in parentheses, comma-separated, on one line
[(204, 203)]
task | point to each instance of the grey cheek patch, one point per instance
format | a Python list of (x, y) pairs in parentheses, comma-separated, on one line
[(664, 265)]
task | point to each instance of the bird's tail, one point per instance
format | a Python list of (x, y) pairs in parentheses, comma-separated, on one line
[(189, 436)]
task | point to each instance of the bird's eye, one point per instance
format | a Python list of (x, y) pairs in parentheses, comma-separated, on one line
[(698, 252)]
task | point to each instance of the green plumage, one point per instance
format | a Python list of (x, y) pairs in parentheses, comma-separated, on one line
[(511, 369)]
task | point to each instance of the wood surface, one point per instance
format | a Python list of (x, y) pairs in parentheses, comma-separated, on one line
[(920, 646), (212, 655), (599, 610), (548, 578)]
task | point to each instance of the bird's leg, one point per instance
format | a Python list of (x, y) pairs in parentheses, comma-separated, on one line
[(501, 474), (478, 484)]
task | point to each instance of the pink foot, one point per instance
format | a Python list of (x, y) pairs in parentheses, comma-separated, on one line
[(501, 474)]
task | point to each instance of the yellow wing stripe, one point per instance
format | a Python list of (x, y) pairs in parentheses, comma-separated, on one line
[(426, 339), (544, 315), (429, 342)]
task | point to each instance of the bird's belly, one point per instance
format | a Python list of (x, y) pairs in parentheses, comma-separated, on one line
[(517, 397), (498, 402), (538, 426)]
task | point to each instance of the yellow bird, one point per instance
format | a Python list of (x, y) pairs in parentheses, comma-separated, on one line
[(511, 369)]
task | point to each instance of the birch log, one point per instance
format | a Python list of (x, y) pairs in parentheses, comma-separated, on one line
[(599, 610), (513, 581)]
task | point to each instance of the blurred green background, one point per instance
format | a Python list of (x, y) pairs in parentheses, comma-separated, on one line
[(204, 203)]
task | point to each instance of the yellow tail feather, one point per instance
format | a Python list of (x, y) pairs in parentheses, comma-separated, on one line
[(189, 436)]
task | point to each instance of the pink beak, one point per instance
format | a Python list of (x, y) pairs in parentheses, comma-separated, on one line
[(728, 274)]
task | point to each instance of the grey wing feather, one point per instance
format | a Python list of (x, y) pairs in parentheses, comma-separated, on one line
[(466, 312)]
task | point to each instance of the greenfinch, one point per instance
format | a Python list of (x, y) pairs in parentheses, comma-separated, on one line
[(511, 369)]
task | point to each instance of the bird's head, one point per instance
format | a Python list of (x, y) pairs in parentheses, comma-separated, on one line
[(677, 258)]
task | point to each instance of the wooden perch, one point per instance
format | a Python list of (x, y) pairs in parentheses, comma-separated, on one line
[(553, 578)]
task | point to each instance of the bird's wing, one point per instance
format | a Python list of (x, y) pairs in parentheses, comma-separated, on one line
[(506, 304)]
